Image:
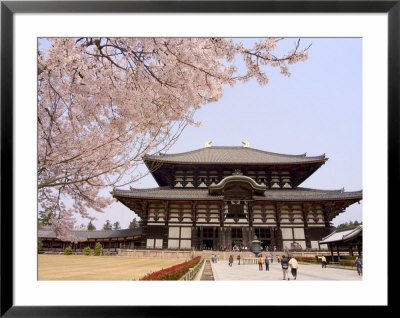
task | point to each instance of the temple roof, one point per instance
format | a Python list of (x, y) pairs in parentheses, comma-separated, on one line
[(269, 194), (96, 234), (342, 235), (233, 155)]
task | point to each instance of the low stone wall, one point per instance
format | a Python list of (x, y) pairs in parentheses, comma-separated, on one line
[(320, 253), (156, 253), (222, 255)]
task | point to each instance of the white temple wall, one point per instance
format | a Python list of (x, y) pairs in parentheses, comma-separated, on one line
[(158, 243), (299, 234), (173, 244), (287, 233), (179, 237), (314, 245)]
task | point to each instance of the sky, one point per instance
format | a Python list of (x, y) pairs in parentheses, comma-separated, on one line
[(317, 110)]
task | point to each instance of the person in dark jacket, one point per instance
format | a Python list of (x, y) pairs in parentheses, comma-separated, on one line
[(238, 258), (230, 260), (285, 266), (266, 260)]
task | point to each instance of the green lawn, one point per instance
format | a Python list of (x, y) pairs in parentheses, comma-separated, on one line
[(81, 267)]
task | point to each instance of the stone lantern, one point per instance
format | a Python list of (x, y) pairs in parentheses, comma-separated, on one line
[(255, 246)]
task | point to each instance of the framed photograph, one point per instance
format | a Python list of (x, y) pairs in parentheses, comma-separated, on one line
[(371, 136)]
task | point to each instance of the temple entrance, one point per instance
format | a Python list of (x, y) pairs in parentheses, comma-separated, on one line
[(208, 244), (265, 243)]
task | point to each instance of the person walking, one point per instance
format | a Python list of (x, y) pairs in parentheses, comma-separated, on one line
[(358, 264), (271, 257), (285, 266), (230, 260), (323, 260), (238, 258), (293, 266), (266, 261), (260, 262)]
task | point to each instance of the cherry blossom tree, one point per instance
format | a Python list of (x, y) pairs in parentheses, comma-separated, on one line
[(103, 103)]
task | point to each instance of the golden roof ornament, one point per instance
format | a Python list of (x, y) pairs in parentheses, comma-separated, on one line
[(245, 144), (208, 143)]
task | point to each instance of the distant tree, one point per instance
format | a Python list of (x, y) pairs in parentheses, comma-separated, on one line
[(40, 244), (91, 227), (98, 249), (117, 226), (134, 224), (107, 225), (44, 217), (347, 225)]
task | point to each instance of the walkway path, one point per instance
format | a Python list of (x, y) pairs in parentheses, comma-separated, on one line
[(207, 273), (222, 271)]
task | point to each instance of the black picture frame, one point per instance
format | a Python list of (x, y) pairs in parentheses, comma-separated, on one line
[(9, 8)]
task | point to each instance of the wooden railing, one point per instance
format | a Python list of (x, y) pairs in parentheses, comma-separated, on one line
[(191, 274)]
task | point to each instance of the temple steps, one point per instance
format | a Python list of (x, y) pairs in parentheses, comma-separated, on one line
[(207, 272)]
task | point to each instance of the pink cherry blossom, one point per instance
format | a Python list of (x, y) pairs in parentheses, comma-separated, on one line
[(103, 103)]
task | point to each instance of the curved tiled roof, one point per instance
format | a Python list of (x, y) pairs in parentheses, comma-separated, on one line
[(100, 234), (232, 155), (342, 235), (165, 193), (270, 194)]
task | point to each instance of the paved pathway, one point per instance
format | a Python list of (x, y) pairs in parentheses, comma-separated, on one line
[(222, 271)]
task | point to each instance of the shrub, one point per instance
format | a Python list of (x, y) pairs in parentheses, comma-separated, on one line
[(87, 250), (40, 245), (346, 262), (348, 257), (68, 250), (98, 250), (306, 259), (174, 272)]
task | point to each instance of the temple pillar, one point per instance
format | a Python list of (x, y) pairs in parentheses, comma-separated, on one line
[(214, 238), (201, 238), (228, 238), (305, 211), (278, 233)]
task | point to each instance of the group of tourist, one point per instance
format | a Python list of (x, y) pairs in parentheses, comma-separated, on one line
[(286, 262), (269, 248)]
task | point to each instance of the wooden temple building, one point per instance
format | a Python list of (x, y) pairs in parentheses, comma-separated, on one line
[(213, 197), (111, 240), (349, 240)]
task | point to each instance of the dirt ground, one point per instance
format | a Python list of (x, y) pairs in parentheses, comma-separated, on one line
[(81, 267)]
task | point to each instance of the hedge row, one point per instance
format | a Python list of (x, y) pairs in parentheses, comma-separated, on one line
[(174, 272), (306, 259)]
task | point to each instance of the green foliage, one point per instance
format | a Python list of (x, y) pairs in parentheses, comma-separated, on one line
[(117, 226), (306, 259), (44, 217), (68, 250), (134, 224), (348, 258), (346, 225), (98, 250), (346, 262), (107, 225), (40, 244), (91, 227), (87, 250), (238, 243)]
